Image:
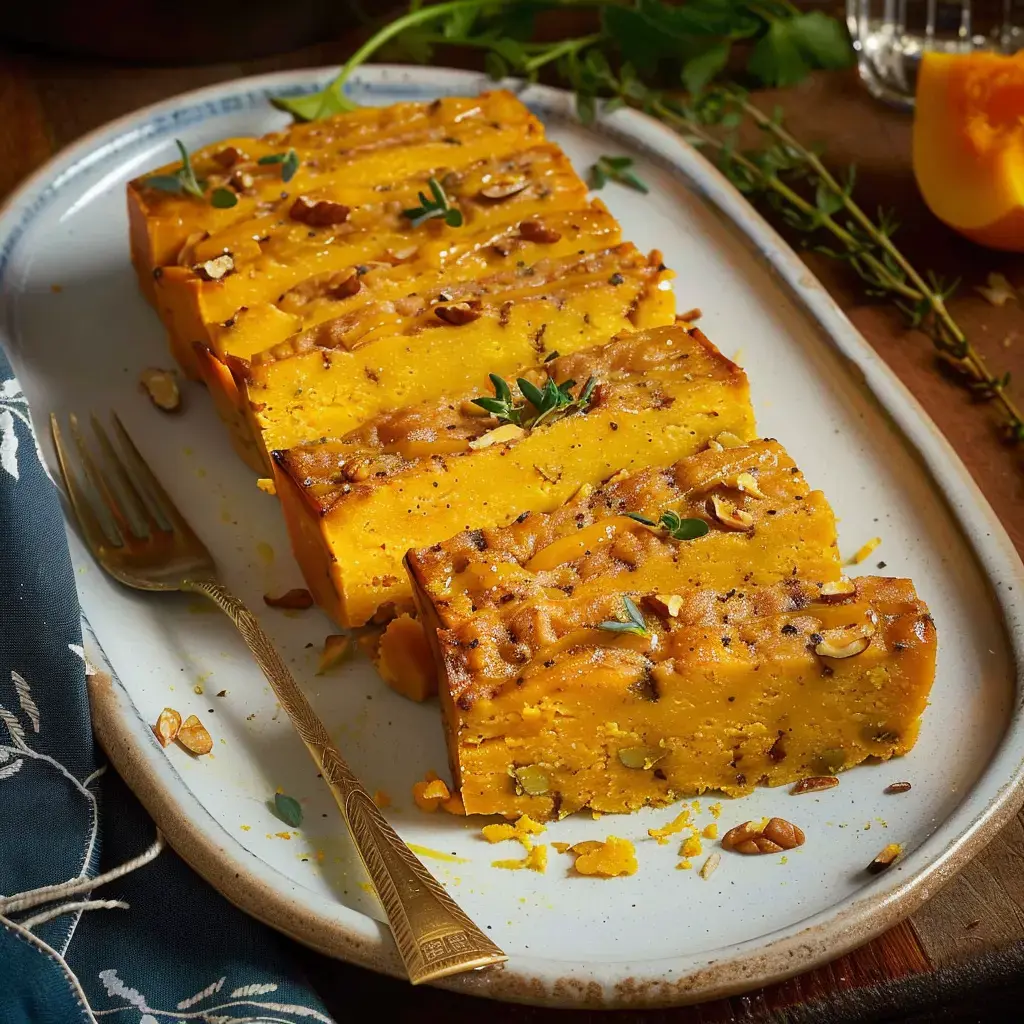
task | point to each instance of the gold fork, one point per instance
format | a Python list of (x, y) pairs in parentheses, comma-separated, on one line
[(140, 538)]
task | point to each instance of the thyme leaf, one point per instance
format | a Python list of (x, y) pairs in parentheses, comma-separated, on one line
[(634, 622)]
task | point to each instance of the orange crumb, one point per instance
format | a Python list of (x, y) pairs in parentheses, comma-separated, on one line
[(710, 831), (613, 857), (677, 824), (381, 799)]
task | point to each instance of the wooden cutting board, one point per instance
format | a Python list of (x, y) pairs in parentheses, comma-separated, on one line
[(964, 947)]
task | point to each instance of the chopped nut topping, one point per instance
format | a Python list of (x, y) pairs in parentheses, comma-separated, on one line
[(167, 726), (746, 483), (194, 736), (838, 590), (885, 859), (534, 231), (458, 313), (503, 189), (241, 181), (298, 599), (666, 605), (714, 446), (814, 784), (710, 865), (337, 647), (216, 269), (753, 837), (227, 157), (499, 435), (842, 644), (162, 388), (321, 214), (731, 518), (897, 787)]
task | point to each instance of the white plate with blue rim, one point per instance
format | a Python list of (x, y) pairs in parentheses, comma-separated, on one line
[(79, 332)]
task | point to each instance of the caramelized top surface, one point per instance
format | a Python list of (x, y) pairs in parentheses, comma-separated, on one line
[(786, 624), (631, 373)]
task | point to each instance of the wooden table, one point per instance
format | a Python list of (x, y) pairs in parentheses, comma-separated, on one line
[(940, 954)]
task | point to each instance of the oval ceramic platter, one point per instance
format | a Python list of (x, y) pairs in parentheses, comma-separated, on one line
[(80, 332)]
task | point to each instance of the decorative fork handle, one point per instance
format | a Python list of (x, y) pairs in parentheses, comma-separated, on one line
[(434, 936)]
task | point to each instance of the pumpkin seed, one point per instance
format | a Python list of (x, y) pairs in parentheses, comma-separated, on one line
[(531, 780), (641, 757)]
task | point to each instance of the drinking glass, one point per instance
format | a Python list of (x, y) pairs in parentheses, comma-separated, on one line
[(890, 37)]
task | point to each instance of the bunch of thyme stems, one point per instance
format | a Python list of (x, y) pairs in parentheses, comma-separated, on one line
[(782, 173)]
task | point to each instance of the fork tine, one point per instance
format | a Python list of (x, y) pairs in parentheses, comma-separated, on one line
[(149, 518), (136, 466), (95, 535), (110, 512)]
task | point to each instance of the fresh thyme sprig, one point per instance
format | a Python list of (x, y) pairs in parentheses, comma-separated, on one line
[(634, 622), (439, 206), (696, 39), (615, 168), (184, 181), (289, 163), (674, 525), (553, 401)]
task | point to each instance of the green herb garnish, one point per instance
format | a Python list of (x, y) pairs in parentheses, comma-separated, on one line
[(553, 401), (641, 43), (615, 168), (634, 622), (641, 519), (439, 206), (502, 406), (682, 529), (223, 198), (288, 809), (182, 180), (289, 163)]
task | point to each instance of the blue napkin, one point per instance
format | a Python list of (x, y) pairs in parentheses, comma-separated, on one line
[(155, 943)]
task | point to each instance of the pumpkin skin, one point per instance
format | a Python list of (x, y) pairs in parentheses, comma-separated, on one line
[(969, 145)]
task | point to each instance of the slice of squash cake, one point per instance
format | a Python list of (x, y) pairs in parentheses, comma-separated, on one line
[(415, 476)]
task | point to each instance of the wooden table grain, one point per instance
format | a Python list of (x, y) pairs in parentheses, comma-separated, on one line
[(940, 953)]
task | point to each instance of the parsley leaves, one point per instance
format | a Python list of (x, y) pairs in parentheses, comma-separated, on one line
[(615, 168)]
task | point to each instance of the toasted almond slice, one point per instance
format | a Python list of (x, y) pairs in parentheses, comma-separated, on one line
[(885, 859), (897, 787), (194, 736), (216, 269), (746, 483), (337, 648), (298, 599), (715, 446), (710, 865), (729, 517), (504, 434), (842, 648), (838, 589), (815, 784), (503, 189), (162, 388), (167, 726)]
